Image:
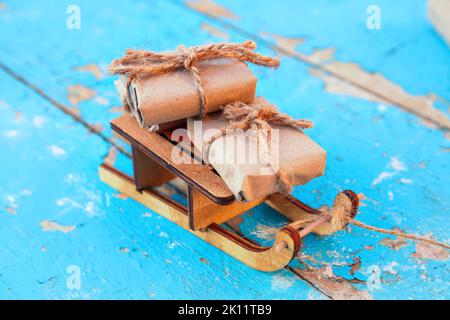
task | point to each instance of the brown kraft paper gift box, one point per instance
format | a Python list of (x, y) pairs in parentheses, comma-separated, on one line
[(157, 99), (293, 151)]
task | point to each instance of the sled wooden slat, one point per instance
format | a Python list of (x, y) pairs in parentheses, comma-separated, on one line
[(159, 149)]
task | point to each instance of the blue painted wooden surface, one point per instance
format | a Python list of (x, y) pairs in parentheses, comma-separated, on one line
[(49, 161)]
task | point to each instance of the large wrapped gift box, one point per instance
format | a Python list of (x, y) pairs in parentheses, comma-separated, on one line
[(241, 160)]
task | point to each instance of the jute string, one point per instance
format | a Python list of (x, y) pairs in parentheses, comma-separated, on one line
[(339, 217), (140, 62), (258, 118)]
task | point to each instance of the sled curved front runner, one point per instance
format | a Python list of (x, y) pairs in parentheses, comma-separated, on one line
[(285, 248)]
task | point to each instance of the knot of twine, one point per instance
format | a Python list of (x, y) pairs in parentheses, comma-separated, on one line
[(341, 214), (258, 118), (141, 62)]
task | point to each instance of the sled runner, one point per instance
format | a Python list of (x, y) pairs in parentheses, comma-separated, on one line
[(210, 202)]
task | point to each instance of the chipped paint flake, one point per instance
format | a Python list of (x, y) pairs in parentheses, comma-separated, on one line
[(19, 117), (396, 164), (38, 121), (57, 151), (67, 201), (383, 176), (163, 234), (405, 181), (335, 287), (390, 268), (215, 32), (117, 109), (121, 196), (173, 245), (90, 209), (25, 192), (211, 8), (10, 133), (322, 55), (280, 282), (395, 244), (429, 251), (11, 210), (362, 197), (12, 200), (48, 225), (390, 195), (378, 85), (4, 105), (79, 93), (350, 79), (93, 69), (355, 266), (438, 14), (336, 86), (97, 127), (3, 6), (328, 271), (102, 101), (111, 156), (286, 45)]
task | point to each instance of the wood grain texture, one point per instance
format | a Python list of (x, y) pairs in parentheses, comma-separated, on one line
[(203, 211), (147, 173)]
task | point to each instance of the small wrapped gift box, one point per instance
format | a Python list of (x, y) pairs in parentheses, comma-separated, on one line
[(164, 87), (156, 99), (250, 169)]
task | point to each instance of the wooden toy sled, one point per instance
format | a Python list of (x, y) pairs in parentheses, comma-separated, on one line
[(209, 201)]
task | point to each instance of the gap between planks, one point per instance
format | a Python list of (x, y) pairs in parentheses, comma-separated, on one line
[(290, 269)]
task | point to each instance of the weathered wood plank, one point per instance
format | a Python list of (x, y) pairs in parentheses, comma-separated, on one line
[(387, 154)]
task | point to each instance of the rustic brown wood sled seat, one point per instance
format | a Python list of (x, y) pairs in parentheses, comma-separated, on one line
[(210, 202)]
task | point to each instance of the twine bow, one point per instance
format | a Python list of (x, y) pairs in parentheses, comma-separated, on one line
[(258, 118), (141, 62)]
